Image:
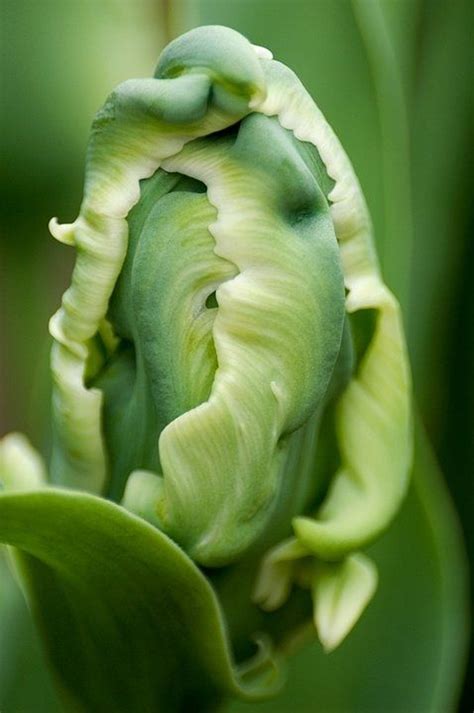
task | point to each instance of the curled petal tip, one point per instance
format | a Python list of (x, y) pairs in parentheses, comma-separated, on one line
[(341, 592), (262, 52), (64, 233), (21, 467)]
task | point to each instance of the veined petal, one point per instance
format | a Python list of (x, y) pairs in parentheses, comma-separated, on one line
[(142, 122)]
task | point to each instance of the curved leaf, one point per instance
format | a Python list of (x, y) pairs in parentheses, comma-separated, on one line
[(130, 623), (418, 624), (20, 654)]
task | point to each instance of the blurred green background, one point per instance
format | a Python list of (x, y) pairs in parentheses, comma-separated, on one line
[(393, 78)]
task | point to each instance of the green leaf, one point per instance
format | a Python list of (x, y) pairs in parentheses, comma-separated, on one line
[(407, 652), (20, 655), (129, 622)]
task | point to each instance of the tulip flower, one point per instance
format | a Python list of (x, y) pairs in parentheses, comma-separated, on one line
[(231, 404)]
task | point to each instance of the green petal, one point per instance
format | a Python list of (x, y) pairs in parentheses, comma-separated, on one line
[(21, 467), (373, 424), (407, 652), (279, 320), (374, 427), (341, 591), (276, 332), (143, 122)]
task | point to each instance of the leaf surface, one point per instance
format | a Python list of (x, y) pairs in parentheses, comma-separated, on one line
[(129, 622)]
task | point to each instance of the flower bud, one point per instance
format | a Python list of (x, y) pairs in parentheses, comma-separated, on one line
[(224, 246)]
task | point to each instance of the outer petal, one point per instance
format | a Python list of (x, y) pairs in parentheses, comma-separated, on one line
[(374, 416), (143, 122), (407, 652)]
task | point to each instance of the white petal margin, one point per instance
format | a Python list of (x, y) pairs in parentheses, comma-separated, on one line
[(133, 133), (341, 592), (129, 144), (277, 574), (21, 467), (262, 52), (374, 417)]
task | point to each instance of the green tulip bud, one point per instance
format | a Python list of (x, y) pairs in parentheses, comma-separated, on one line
[(228, 366), (200, 344)]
